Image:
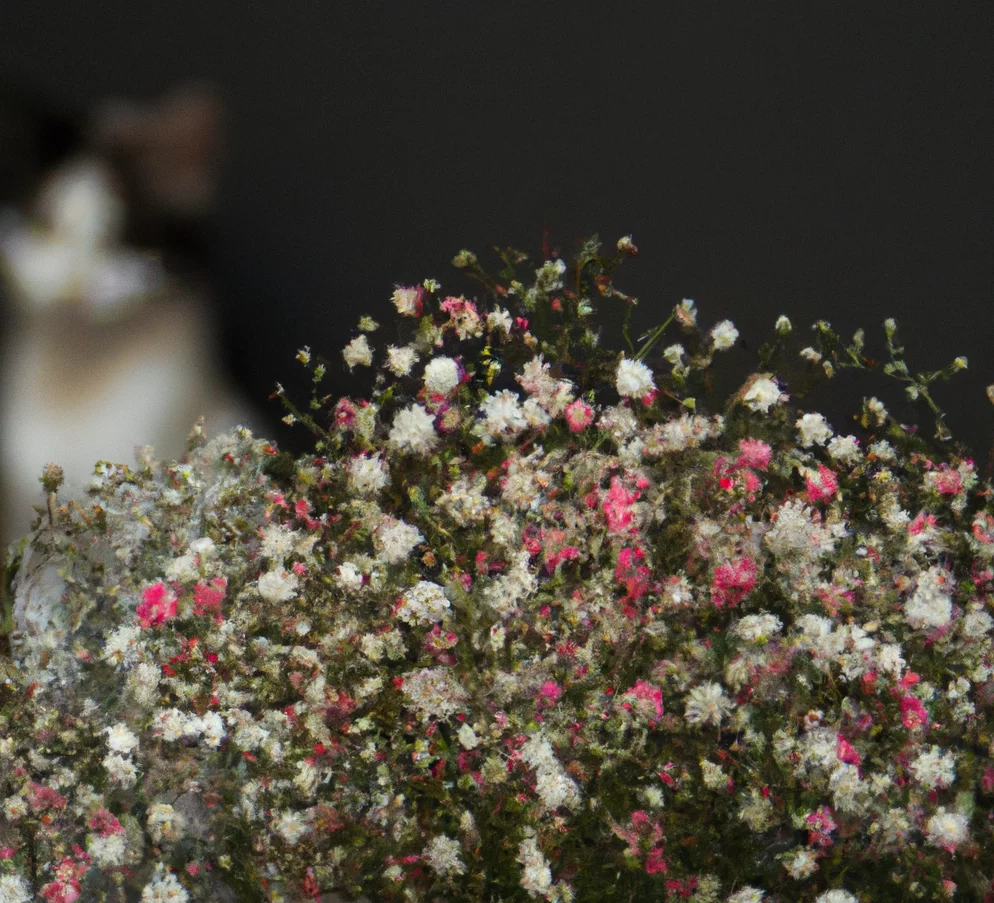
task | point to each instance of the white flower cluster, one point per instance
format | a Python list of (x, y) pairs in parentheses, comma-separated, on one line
[(553, 786), (634, 379), (394, 541), (172, 725), (931, 605), (425, 603)]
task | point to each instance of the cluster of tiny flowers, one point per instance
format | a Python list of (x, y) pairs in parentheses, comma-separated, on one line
[(534, 620)]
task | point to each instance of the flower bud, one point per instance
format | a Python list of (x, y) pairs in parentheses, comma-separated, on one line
[(783, 326), (52, 477), (627, 246)]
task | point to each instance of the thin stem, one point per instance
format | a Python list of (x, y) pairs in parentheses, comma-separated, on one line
[(654, 337)]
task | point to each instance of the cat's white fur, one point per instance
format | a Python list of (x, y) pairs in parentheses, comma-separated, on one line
[(101, 354)]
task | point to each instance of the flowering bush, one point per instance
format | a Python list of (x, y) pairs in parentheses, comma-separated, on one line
[(528, 624)]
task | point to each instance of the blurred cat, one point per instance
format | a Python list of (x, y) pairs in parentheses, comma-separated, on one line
[(108, 340)]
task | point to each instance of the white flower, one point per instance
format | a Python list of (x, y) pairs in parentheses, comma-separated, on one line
[(707, 703), (713, 776), (423, 604), (674, 354), (536, 877), (746, 895), (803, 864), (555, 789), (15, 807), (723, 335), (758, 628), (762, 394), (947, 829), (686, 313), (291, 826), (122, 647), (14, 889), (203, 546), (278, 541), (213, 729), (358, 353), (413, 431), (500, 319), (976, 623), (401, 360), (405, 299), (433, 692), (813, 429), (934, 769), (164, 888), (468, 738), (278, 585), (120, 739), (164, 823), (882, 451), (306, 778), (183, 569), (502, 415), (349, 576), (876, 407), (171, 724), (442, 854), (633, 379), (394, 541), (120, 771), (848, 790), (367, 474), (836, 896), (931, 605), (441, 376), (845, 448)]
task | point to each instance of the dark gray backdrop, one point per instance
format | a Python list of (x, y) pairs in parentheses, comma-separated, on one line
[(810, 159)]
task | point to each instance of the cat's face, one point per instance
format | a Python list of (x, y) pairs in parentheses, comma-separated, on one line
[(94, 233)]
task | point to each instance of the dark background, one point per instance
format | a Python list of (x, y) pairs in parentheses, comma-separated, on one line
[(816, 160)]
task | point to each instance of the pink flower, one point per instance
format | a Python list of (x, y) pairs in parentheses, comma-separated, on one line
[(157, 606), (823, 486), (105, 824), (921, 522), (946, 481), (616, 505), (41, 798), (579, 415), (345, 413), (733, 581), (208, 599), (654, 862), (648, 694), (550, 691), (821, 825), (632, 573), (913, 714), (845, 751), (754, 453)]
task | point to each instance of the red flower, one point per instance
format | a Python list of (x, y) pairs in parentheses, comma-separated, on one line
[(157, 606)]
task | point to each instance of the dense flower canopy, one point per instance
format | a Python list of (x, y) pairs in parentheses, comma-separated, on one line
[(530, 623)]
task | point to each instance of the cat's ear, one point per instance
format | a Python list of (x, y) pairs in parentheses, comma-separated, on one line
[(168, 153)]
